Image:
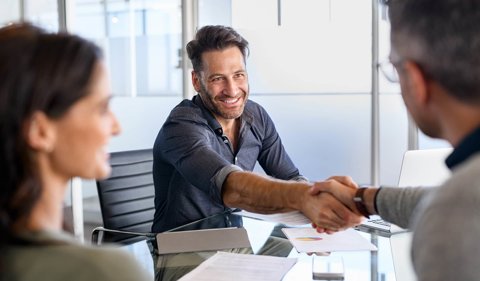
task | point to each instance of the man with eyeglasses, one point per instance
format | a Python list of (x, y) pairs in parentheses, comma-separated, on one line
[(208, 146), (436, 52)]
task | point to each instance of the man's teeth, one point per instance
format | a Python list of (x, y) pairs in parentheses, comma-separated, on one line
[(231, 100)]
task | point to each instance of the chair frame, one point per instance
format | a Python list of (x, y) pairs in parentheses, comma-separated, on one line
[(97, 234)]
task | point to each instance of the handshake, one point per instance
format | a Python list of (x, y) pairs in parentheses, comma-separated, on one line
[(337, 204), (330, 205)]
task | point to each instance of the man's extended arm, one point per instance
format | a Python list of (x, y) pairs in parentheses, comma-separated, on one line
[(256, 193)]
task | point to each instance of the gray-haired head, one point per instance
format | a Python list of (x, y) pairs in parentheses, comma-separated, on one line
[(443, 38)]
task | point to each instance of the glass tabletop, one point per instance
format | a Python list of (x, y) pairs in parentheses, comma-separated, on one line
[(266, 238)]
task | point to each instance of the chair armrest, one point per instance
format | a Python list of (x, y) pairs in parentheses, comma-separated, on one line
[(97, 234)]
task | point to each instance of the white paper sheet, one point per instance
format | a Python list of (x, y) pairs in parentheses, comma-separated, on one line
[(308, 240), (290, 218), (229, 266)]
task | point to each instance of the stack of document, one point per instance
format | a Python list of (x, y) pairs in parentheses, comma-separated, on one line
[(308, 240), (240, 267)]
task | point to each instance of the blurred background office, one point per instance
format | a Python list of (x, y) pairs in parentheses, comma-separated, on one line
[(313, 66)]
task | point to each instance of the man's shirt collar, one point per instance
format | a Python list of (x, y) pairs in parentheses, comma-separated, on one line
[(467, 147)]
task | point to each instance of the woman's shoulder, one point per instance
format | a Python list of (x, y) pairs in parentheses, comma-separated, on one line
[(78, 262), (108, 263)]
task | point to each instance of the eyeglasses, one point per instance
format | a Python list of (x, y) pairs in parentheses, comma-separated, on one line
[(389, 71)]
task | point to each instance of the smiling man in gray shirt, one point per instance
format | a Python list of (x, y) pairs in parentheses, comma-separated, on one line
[(208, 146)]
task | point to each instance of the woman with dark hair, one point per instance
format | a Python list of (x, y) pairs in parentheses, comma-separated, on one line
[(55, 123)]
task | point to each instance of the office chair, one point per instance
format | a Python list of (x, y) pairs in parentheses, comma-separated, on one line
[(127, 199)]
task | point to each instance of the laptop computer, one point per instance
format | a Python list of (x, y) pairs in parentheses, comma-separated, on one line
[(419, 168)]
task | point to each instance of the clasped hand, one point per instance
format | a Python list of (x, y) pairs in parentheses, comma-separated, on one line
[(329, 205)]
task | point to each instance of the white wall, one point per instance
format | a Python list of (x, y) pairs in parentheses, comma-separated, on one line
[(310, 66), (319, 135), (9, 10), (141, 119)]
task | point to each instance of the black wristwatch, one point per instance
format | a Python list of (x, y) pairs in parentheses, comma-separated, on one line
[(360, 202)]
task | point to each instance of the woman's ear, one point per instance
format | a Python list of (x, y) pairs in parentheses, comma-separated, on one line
[(40, 132), (416, 83)]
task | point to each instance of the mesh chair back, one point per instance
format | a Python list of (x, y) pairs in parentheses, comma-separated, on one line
[(127, 196)]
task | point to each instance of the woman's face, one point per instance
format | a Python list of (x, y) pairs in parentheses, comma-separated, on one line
[(82, 134)]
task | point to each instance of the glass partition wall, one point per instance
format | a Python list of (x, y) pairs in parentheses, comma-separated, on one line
[(142, 40)]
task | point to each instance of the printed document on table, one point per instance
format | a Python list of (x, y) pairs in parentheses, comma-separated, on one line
[(308, 240), (240, 267), (289, 218)]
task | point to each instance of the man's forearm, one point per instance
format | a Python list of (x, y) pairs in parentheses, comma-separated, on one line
[(256, 193), (260, 194), (397, 205)]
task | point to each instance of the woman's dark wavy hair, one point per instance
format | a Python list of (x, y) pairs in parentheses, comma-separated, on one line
[(39, 71)]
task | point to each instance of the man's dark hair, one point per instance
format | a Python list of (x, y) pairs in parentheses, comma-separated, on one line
[(214, 37), (443, 37)]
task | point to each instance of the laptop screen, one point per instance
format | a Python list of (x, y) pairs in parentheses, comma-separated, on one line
[(424, 167)]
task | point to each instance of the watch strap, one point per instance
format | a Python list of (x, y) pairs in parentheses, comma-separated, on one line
[(360, 202)]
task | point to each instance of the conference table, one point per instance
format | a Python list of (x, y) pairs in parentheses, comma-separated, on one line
[(266, 238)]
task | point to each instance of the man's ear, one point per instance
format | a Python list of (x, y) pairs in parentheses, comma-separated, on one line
[(416, 82), (40, 132), (196, 81)]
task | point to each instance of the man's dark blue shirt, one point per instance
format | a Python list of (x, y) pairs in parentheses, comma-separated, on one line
[(192, 158)]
